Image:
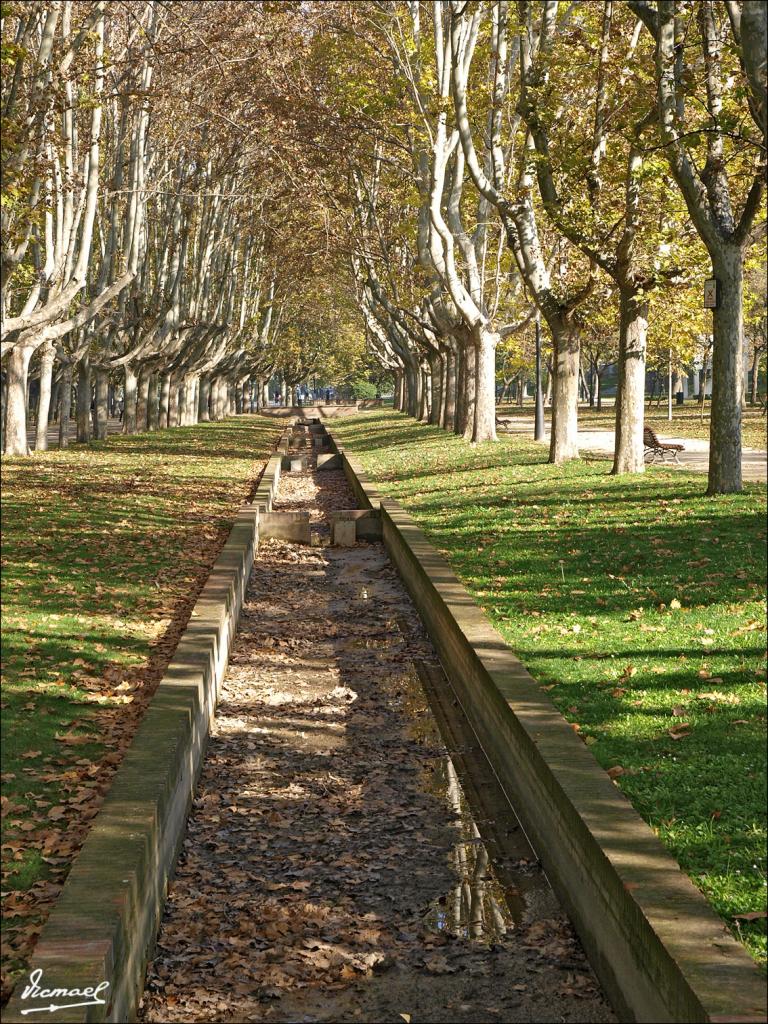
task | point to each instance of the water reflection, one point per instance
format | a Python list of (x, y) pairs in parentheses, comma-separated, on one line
[(477, 907)]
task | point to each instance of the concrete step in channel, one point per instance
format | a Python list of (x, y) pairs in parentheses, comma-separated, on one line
[(303, 447)]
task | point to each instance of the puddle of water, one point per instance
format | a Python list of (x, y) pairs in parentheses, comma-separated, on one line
[(499, 885), (479, 906)]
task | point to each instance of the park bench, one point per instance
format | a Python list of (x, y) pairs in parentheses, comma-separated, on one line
[(654, 448)]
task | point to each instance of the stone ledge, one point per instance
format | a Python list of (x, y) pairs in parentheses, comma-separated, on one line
[(290, 526), (660, 951), (104, 923)]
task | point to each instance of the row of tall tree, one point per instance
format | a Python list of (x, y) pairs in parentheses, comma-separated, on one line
[(151, 234), (591, 163), (197, 196)]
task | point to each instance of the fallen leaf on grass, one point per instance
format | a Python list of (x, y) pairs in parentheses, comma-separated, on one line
[(30, 754), (616, 771), (753, 915), (73, 739), (679, 732)]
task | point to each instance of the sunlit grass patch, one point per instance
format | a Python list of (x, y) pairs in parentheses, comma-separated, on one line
[(637, 603), (105, 548)]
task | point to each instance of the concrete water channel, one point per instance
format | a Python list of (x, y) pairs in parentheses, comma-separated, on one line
[(350, 854)]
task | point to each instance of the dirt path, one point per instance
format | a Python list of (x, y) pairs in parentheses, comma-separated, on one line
[(332, 870)]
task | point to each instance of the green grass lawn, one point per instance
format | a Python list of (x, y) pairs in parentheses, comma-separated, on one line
[(686, 421), (638, 604), (105, 548)]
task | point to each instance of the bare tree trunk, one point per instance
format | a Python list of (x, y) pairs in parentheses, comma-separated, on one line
[(425, 385), (188, 410), (484, 420), (173, 402), (165, 399), (727, 376), (203, 398), (16, 400), (598, 389), (100, 404), (53, 411), (411, 391), (265, 395), (436, 388), (129, 401), (444, 358), (399, 390), (153, 403), (47, 359), (84, 400), (142, 399), (66, 405), (449, 416), (550, 384), (630, 404), (564, 439)]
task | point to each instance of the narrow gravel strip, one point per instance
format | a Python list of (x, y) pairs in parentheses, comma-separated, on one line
[(331, 871)]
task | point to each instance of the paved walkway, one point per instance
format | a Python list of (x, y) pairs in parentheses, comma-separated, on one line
[(114, 426), (754, 463)]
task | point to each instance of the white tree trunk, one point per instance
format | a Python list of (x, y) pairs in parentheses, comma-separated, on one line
[(16, 401), (129, 401), (165, 399), (485, 386), (564, 439), (630, 399), (47, 359)]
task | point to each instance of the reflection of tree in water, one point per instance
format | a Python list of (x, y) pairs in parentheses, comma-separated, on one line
[(476, 907)]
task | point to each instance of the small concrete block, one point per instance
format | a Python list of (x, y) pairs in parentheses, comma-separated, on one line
[(298, 464), (293, 526), (344, 532), (329, 462), (367, 522)]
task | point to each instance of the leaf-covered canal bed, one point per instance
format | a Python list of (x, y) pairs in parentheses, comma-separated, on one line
[(638, 604), (105, 548), (330, 870)]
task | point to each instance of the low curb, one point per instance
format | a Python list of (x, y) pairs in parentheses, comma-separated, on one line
[(660, 951), (104, 923)]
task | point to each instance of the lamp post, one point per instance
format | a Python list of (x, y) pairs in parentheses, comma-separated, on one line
[(538, 428)]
